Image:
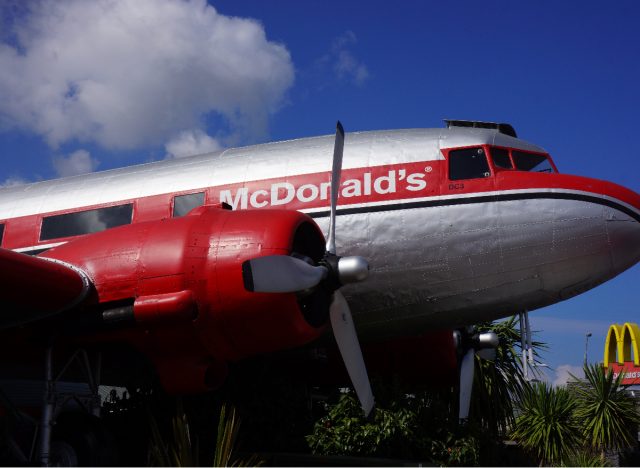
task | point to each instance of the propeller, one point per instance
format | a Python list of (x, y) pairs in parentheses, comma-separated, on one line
[(290, 273), (281, 273), (482, 344)]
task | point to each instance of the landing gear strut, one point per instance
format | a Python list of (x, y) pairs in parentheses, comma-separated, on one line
[(54, 401), (528, 362)]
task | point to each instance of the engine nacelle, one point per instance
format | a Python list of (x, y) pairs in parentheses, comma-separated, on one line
[(174, 288)]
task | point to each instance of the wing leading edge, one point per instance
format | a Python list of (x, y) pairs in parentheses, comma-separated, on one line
[(34, 288)]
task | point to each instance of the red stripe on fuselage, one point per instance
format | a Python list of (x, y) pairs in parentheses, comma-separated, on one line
[(310, 192)]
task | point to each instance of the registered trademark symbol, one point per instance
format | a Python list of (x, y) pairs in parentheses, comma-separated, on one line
[(428, 169)]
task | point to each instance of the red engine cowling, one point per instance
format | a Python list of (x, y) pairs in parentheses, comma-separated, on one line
[(179, 281)]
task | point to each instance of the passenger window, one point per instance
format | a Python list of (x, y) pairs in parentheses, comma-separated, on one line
[(469, 163), (531, 162), (182, 204), (85, 222), (1, 232), (500, 157)]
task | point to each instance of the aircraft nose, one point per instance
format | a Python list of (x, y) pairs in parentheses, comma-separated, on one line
[(622, 221), (624, 240)]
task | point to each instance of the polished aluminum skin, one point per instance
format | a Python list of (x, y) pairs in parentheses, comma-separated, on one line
[(457, 265)]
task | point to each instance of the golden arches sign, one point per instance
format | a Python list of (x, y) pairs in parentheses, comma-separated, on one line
[(621, 341), (621, 352)]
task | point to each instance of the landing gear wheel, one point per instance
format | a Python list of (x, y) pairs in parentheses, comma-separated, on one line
[(80, 439)]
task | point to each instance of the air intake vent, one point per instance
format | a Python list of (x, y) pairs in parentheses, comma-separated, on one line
[(505, 128)]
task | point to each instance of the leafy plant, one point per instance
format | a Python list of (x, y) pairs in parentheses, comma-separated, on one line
[(414, 427), (586, 459), (228, 427), (227, 433), (424, 424), (345, 431), (546, 425), (179, 451), (456, 449), (607, 414), (498, 384)]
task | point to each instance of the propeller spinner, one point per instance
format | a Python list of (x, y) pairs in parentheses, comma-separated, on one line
[(283, 273)]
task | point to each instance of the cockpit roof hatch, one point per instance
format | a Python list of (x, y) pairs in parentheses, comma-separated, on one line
[(505, 128)]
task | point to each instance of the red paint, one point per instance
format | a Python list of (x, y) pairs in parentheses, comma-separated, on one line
[(169, 266), (167, 308), (36, 287), (630, 370)]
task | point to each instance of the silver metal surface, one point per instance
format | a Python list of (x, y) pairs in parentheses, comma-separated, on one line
[(347, 340), (488, 340), (282, 273), (466, 384), (448, 266), (353, 269), (336, 171)]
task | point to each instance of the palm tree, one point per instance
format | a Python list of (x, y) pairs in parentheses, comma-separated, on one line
[(546, 425), (181, 449), (607, 414), (499, 383)]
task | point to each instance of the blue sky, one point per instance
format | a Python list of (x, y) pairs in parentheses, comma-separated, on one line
[(565, 74)]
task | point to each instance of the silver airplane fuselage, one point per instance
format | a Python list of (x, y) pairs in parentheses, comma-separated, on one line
[(445, 249)]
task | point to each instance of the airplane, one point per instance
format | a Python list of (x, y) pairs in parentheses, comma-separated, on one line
[(203, 261)]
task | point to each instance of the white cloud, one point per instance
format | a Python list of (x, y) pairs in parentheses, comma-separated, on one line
[(78, 162), (564, 373), (13, 181), (346, 66), (191, 142), (338, 64), (127, 74)]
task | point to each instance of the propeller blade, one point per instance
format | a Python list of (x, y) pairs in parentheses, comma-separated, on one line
[(466, 383), (347, 339), (335, 185), (280, 274)]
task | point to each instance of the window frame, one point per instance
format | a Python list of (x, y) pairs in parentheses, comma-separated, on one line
[(498, 168), (176, 195), (514, 168), (545, 155), (46, 216), (491, 170)]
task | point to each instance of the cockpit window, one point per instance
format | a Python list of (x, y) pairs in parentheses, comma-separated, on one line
[(468, 163), (500, 157), (531, 162)]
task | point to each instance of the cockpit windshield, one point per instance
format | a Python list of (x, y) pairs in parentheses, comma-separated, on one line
[(520, 160), (531, 162)]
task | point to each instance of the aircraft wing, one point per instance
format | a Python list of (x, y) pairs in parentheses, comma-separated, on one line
[(34, 288)]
